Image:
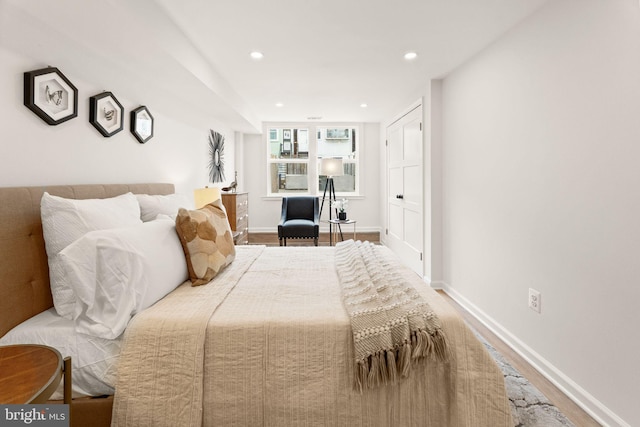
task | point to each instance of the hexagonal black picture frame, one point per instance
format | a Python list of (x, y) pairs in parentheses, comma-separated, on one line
[(49, 94), (142, 124), (106, 114)]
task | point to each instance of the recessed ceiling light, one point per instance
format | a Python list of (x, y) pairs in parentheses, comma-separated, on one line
[(279, 104), (410, 56), (256, 55), (364, 105)]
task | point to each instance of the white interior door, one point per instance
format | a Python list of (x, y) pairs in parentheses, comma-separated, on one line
[(405, 205)]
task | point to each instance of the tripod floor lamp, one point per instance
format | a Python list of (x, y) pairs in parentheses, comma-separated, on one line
[(331, 167)]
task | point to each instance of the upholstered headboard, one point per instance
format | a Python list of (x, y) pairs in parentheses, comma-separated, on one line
[(24, 272)]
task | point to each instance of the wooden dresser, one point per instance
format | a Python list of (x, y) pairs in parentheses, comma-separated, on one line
[(237, 206)]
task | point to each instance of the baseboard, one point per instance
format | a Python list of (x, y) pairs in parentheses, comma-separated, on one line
[(435, 284), (580, 396)]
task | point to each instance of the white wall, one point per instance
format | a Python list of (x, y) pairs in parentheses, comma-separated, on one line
[(433, 183), (264, 212), (541, 178), (34, 153)]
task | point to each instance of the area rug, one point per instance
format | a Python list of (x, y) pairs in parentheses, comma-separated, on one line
[(529, 407)]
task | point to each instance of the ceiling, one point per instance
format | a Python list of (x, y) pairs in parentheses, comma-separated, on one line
[(326, 58), (322, 59)]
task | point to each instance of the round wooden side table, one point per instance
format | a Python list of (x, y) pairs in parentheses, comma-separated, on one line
[(30, 373)]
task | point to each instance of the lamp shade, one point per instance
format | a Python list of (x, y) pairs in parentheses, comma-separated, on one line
[(331, 167), (204, 196)]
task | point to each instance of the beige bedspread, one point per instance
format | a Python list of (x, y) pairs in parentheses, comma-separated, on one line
[(278, 351)]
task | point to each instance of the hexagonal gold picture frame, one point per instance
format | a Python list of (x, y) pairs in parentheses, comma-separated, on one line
[(50, 95)]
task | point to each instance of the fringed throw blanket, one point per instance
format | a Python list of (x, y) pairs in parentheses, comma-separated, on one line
[(392, 325)]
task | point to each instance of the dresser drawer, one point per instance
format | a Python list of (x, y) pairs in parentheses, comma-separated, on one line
[(242, 223), (242, 237), (242, 199), (242, 211), (237, 206)]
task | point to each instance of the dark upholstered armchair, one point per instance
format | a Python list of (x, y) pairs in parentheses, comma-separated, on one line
[(300, 219)]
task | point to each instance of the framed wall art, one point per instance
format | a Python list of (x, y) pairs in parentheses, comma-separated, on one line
[(106, 114), (142, 124), (216, 157), (49, 94)]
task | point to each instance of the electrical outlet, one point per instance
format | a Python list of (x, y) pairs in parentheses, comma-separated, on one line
[(534, 300)]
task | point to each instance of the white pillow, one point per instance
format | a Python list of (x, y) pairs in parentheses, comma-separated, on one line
[(119, 272), (66, 220), (152, 205)]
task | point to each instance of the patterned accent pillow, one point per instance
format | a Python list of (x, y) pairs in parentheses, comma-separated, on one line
[(207, 241)]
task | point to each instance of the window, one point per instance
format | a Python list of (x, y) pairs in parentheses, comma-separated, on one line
[(338, 143), (288, 160), (290, 149)]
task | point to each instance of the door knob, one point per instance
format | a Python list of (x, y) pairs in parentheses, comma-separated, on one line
[(399, 196)]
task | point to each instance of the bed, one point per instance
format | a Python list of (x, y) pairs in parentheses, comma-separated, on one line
[(267, 342)]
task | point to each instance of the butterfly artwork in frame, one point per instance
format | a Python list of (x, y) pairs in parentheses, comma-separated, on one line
[(106, 114), (50, 95)]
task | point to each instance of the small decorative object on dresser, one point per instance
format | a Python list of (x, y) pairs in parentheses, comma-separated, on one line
[(233, 186), (142, 124), (237, 206), (49, 94), (105, 114)]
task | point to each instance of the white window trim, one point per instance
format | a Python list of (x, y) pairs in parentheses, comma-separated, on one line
[(312, 166)]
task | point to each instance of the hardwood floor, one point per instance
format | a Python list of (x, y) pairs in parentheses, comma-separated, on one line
[(571, 410), (271, 239)]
